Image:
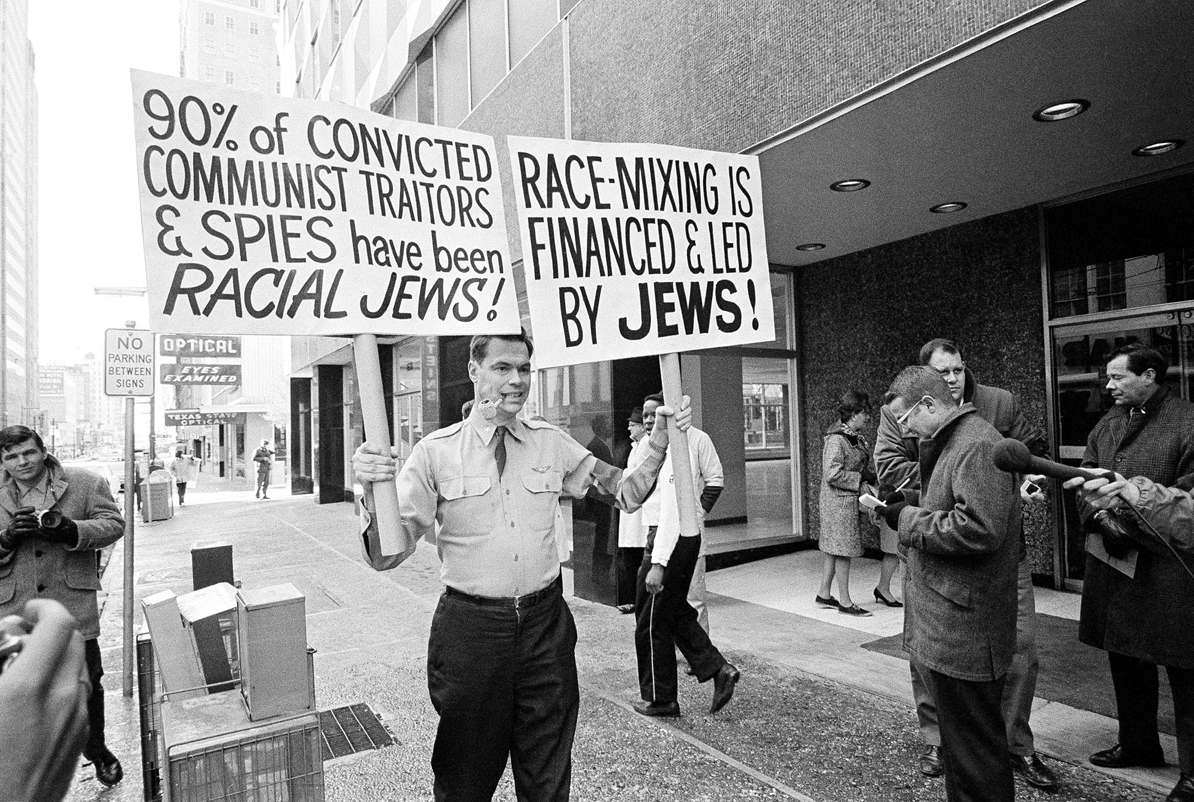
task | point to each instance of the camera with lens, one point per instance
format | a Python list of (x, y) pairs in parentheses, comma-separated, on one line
[(49, 519)]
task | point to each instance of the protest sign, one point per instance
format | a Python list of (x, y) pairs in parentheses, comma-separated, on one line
[(269, 215), (632, 250)]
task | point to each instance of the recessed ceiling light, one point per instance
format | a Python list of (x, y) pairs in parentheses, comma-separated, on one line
[(850, 185), (1061, 111), (948, 208), (811, 246), (1157, 148)]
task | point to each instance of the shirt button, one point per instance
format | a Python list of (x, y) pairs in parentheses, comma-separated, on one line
[(511, 524), (507, 492), (41, 588), (515, 558), (37, 553)]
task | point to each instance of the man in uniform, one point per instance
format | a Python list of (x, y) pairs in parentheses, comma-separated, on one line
[(501, 658)]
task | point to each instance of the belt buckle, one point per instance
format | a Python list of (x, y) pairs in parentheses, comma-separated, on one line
[(519, 601)]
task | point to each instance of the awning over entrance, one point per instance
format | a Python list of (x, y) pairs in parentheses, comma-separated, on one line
[(960, 128)]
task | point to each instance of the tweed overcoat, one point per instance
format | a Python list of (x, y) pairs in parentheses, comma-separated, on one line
[(842, 463), (963, 546), (1151, 616), (39, 569)]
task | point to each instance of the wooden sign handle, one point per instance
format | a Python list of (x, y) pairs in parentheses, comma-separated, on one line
[(669, 369), (377, 432)]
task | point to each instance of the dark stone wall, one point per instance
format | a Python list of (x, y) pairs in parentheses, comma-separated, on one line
[(863, 317)]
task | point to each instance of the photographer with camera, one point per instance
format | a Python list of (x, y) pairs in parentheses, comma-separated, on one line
[(53, 520), (43, 702)]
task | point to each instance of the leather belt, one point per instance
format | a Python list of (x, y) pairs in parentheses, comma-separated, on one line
[(510, 602)]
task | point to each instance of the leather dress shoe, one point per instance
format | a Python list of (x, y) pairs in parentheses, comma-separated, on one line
[(1034, 771), (658, 709), (1183, 791), (107, 768), (930, 762), (1119, 758), (723, 686)]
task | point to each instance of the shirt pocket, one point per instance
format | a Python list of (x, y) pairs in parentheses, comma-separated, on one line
[(465, 510), (542, 499)]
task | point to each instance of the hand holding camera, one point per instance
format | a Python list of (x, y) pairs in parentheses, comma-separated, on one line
[(54, 527)]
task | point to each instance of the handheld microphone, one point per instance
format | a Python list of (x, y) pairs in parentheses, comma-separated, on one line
[(1014, 457)]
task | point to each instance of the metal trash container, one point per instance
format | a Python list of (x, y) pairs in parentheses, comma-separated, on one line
[(157, 499)]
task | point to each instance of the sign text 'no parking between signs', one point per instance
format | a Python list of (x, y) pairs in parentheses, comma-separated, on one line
[(128, 362)]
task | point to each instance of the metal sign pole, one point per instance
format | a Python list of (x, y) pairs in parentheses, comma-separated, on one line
[(130, 417)]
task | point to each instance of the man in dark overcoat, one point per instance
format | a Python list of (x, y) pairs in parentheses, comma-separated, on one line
[(1145, 620), (53, 555), (963, 539)]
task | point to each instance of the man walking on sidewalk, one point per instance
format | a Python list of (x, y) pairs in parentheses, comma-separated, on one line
[(501, 659), (264, 457), (666, 618)]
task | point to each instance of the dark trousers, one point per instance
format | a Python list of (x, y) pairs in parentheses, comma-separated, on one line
[(1136, 690), (629, 560), (973, 739), (666, 621), (182, 491), (95, 702), (503, 681)]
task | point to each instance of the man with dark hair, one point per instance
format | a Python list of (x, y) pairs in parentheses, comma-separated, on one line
[(667, 618), (1143, 620), (961, 532), (896, 455), (501, 662), (53, 520)]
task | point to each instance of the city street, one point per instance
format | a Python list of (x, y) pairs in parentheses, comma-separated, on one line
[(815, 717)]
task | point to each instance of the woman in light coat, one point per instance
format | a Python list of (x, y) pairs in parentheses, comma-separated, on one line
[(846, 466)]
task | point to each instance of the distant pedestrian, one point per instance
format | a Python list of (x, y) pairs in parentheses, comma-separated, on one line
[(632, 534), (264, 457), (845, 471), (184, 468)]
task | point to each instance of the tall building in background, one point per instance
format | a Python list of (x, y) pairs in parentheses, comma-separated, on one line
[(18, 217), (233, 43)]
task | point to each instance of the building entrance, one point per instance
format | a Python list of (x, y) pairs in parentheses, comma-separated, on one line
[(1079, 355)]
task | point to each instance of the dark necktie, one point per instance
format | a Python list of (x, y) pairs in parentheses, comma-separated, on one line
[(499, 450)]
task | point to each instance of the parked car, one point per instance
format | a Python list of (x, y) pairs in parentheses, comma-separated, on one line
[(101, 469)]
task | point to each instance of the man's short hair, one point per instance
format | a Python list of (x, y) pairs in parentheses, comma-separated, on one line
[(478, 348), (178, 453), (851, 403), (938, 344), (656, 397), (12, 436), (917, 381), (1141, 358)]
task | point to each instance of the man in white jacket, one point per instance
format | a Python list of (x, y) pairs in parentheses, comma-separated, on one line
[(666, 620)]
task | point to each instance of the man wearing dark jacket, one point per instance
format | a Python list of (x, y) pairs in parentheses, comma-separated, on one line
[(896, 452), (53, 520), (962, 534), (1144, 620)]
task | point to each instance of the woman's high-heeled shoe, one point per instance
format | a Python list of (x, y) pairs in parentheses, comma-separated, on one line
[(879, 597)]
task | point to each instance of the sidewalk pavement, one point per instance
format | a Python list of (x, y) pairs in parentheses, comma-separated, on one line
[(814, 718)]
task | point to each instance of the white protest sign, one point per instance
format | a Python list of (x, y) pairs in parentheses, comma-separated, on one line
[(631, 250), (128, 362), (270, 215)]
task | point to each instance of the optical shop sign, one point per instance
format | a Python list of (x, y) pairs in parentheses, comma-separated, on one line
[(631, 250), (269, 215)]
